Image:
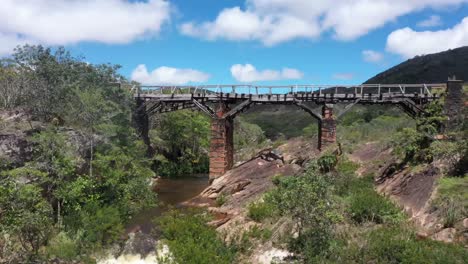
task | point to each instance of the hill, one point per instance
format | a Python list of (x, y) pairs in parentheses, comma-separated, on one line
[(432, 68)]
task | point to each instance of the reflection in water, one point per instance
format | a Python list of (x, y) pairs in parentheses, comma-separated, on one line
[(171, 192)]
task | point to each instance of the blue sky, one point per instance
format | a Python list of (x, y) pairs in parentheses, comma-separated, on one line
[(249, 41)]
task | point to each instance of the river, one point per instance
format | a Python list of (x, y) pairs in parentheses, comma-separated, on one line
[(170, 192)]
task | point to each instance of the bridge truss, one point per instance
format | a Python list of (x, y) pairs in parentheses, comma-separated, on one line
[(223, 102)]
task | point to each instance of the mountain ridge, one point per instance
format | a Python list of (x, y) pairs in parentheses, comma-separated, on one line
[(431, 68)]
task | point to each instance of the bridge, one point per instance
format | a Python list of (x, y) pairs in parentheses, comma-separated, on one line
[(223, 102)]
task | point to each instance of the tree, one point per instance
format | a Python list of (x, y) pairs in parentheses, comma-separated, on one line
[(24, 213), (307, 201)]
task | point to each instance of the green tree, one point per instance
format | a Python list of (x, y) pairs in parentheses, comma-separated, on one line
[(191, 240), (25, 214), (307, 200), (182, 139)]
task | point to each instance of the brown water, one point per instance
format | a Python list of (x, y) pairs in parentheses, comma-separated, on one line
[(170, 192)]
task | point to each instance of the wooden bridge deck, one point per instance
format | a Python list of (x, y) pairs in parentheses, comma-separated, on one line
[(160, 99)]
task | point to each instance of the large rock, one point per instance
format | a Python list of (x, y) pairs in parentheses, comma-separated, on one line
[(15, 150), (446, 235)]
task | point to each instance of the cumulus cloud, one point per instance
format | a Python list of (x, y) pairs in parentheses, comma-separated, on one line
[(343, 76), (432, 21), (409, 43), (276, 21), (167, 76), (248, 73), (372, 56), (60, 22)]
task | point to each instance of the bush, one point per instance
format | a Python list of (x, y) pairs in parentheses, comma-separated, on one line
[(101, 226), (306, 200), (345, 176), (393, 244), (327, 163), (398, 245), (191, 240), (452, 199), (259, 211), (221, 199), (62, 247), (368, 206)]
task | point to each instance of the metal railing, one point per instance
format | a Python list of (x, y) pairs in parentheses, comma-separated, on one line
[(422, 89)]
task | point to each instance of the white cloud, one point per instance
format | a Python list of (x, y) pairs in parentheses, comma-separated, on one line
[(248, 73), (409, 43), (343, 76), (167, 76), (432, 21), (60, 22), (372, 56), (276, 21)]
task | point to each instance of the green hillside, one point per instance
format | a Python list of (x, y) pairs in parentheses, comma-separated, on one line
[(432, 68)]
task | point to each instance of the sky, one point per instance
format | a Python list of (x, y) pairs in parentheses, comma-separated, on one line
[(187, 42)]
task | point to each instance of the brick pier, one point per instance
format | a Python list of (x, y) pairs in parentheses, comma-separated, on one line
[(454, 103), (327, 127), (221, 144)]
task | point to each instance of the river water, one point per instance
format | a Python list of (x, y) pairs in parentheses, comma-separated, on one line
[(170, 192)]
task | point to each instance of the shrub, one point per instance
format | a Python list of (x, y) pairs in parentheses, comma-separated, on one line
[(452, 199), (259, 211), (306, 199), (101, 226), (399, 245), (191, 240), (344, 177), (327, 163), (368, 206), (62, 247), (221, 199)]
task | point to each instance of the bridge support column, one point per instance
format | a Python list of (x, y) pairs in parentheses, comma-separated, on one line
[(142, 125), (454, 104), (327, 127), (222, 143)]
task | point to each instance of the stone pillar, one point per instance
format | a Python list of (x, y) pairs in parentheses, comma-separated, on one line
[(222, 143), (454, 103), (327, 127), (142, 125)]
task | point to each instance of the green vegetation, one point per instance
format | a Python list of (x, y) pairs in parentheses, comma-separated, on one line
[(307, 201), (191, 240), (182, 142), (259, 211), (366, 205), (279, 121), (371, 123), (430, 68), (84, 181), (452, 199), (395, 244), (341, 219), (221, 199), (414, 145)]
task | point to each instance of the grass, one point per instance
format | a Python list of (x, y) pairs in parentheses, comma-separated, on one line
[(380, 129), (221, 199), (396, 244), (452, 199), (259, 211)]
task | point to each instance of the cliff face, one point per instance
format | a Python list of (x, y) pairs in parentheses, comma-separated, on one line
[(432, 68), (17, 146)]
